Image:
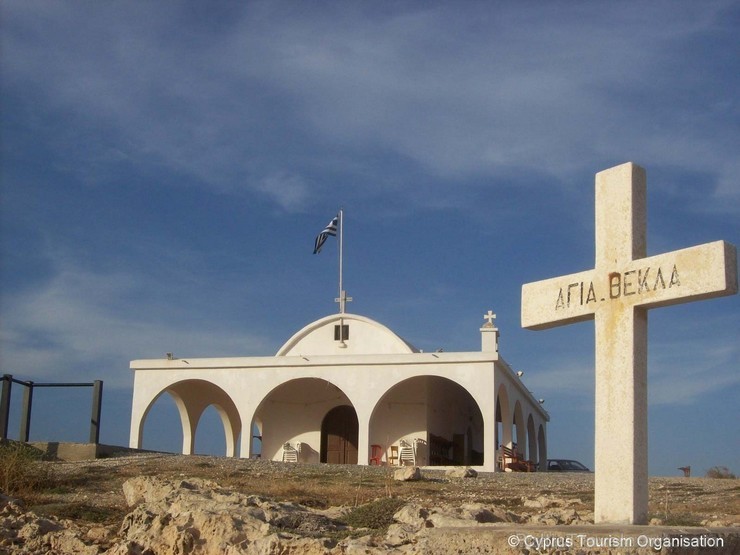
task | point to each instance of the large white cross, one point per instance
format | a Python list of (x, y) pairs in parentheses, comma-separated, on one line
[(617, 294)]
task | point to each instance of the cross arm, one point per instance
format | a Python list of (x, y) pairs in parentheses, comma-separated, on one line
[(558, 301), (692, 274), (681, 276)]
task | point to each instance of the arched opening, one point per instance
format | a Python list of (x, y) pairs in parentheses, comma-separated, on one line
[(339, 436), (542, 443), (209, 438), (503, 418), (436, 416), (531, 441), (520, 443), (293, 413), (191, 398), (161, 428), (256, 439)]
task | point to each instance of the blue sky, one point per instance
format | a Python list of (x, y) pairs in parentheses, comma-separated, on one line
[(167, 165)]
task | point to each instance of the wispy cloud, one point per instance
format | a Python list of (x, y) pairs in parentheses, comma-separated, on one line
[(567, 382), (519, 93), (678, 373), (87, 325), (681, 375)]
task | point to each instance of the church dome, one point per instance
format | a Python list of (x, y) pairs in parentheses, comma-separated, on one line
[(345, 334)]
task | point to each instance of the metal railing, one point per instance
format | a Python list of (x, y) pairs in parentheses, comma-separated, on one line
[(7, 382)]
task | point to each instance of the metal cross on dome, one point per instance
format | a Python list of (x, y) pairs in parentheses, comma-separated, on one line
[(342, 299)]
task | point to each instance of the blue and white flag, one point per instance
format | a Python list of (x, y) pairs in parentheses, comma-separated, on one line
[(330, 229)]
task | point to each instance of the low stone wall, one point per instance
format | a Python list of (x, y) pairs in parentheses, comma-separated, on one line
[(65, 451)]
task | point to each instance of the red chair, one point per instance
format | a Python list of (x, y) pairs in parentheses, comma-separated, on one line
[(376, 453)]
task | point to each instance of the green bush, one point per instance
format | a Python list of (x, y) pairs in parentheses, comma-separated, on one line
[(720, 472), (376, 515)]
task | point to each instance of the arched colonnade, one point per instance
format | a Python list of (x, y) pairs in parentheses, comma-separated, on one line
[(450, 417)]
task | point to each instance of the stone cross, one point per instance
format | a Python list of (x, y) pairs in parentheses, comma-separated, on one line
[(489, 317), (617, 294)]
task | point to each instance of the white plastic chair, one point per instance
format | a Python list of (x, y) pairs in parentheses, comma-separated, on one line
[(290, 453), (407, 453)]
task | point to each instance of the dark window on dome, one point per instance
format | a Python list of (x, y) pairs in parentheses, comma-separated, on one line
[(345, 332)]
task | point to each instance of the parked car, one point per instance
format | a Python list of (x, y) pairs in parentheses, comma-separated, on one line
[(565, 465)]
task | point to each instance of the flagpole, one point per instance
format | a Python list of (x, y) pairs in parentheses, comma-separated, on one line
[(342, 294), (341, 256)]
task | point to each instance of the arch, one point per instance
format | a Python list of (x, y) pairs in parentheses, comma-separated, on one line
[(531, 441), (504, 417), (162, 417), (542, 443), (521, 433), (191, 398), (339, 436), (207, 438), (255, 439), (292, 412), (439, 414)]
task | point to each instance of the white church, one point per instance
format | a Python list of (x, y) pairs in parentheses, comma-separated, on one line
[(345, 389)]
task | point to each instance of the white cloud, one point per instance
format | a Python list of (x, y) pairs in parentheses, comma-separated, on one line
[(680, 374), (84, 325), (288, 190), (567, 382), (488, 90)]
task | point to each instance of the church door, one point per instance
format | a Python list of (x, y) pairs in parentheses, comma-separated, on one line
[(339, 432)]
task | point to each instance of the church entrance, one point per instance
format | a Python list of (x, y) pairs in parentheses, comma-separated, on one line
[(339, 433)]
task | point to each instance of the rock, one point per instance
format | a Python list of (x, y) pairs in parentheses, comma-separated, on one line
[(199, 517), (554, 517), (486, 514), (399, 534), (23, 532), (471, 514), (719, 523), (413, 515), (461, 472), (543, 502), (288, 543), (407, 474), (358, 546)]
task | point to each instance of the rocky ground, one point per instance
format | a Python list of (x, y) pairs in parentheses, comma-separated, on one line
[(157, 503)]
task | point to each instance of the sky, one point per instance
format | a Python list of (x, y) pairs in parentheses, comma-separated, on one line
[(166, 167)]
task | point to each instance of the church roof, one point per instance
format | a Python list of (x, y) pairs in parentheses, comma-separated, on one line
[(362, 336)]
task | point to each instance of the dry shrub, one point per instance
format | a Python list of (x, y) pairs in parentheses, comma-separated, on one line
[(20, 470), (720, 472), (376, 515)]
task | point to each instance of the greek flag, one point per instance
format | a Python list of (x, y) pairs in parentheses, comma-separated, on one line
[(330, 229)]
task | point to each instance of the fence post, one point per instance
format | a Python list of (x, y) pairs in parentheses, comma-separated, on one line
[(97, 404), (5, 405), (26, 412)]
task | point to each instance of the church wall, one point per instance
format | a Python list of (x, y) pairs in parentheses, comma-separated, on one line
[(449, 408), (453, 411), (281, 424), (400, 414)]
